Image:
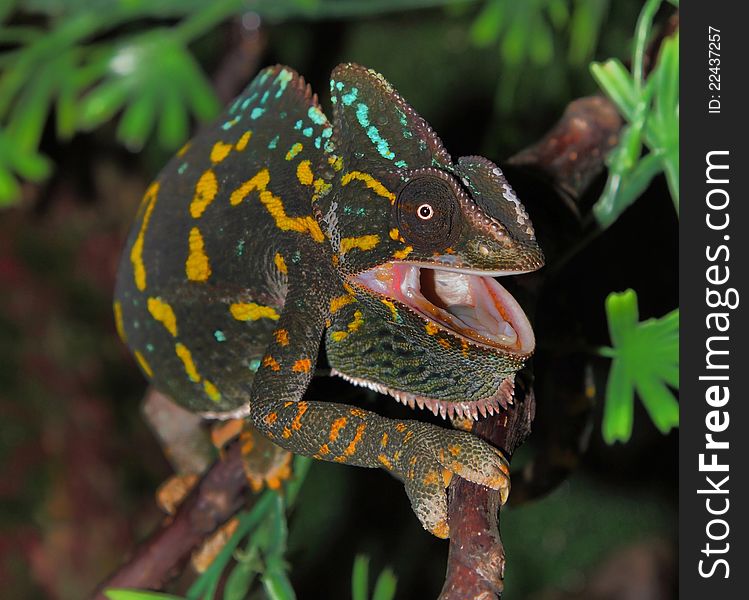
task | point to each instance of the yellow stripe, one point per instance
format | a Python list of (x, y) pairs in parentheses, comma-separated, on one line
[(186, 357), (143, 364), (243, 141), (220, 151), (205, 192), (211, 391), (372, 183), (252, 312), (338, 303), (136, 253), (304, 173), (364, 242), (293, 151), (274, 206), (197, 266), (162, 312), (118, 321), (280, 263)]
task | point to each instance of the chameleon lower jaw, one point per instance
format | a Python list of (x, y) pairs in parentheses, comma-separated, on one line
[(471, 306)]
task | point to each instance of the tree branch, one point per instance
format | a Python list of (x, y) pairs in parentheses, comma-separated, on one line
[(215, 499)]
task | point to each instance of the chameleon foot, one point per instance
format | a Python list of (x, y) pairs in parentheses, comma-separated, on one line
[(264, 463), (447, 453)]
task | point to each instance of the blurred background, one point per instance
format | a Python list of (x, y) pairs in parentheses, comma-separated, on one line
[(96, 95)]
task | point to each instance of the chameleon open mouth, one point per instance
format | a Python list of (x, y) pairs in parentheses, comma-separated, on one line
[(468, 304)]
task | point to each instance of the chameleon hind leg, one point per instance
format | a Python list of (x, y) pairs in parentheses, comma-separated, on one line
[(422, 455)]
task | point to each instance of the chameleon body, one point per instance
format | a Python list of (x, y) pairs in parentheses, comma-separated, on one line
[(275, 229)]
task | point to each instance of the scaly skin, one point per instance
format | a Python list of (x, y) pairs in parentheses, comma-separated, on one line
[(261, 237)]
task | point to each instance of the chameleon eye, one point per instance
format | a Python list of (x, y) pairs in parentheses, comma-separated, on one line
[(427, 211)]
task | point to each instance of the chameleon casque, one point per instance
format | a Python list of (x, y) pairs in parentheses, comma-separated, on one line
[(275, 228)]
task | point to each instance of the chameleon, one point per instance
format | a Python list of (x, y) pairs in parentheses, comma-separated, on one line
[(275, 229)]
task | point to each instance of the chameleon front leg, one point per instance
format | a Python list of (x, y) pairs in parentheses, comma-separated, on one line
[(422, 455)]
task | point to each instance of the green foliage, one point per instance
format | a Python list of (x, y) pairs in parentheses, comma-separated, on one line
[(651, 109), (645, 358), (384, 588), (125, 594), (264, 530), (88, 63)]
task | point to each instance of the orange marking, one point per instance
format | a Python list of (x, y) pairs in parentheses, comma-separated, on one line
[(282, 336), (183, 149), (302, 408), (324, 449), (431, 478), (286, 433), (431, 328), (444, 343), (464, 348), (271, 418), (271, 362), (143, 364), (400, 427), (385, 462), (441, 530), (447, 477), (303, 365), (136, 253), (453, 449), (288, 403), (384, 440), (394, 234), (408, 436), (358, 412), (335, 428), (197, 266), (205, 192), (351, 448), (280, 263)]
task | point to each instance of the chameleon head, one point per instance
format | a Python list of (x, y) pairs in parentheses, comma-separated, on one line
[(423, 265)]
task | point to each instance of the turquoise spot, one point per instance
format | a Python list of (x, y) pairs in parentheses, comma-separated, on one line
[(318, 141), (333, 100), (329, 146), (283, 114), (362, 115), (182, 168), (339, 85), (235, 105), (401, 164), (361, 212), (256, 112), (254, 365), (348, 99), (298, 124), (149, 348), (308, 131), (315, 114), (296, 257), (240, 248), (346, 210), (265, 97), (327, 132), (229, 124), (264, 77), (283, 79), (249, 100), (219, 335), (407, 134), (273, 143)]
